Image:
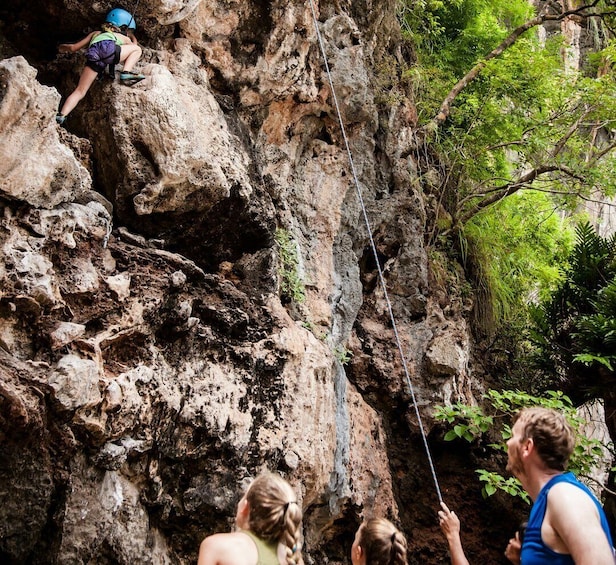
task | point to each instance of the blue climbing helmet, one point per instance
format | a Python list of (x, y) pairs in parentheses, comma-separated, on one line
[(119, 17)]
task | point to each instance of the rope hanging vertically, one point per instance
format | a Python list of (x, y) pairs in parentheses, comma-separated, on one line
[(132, 16), (374, 251)]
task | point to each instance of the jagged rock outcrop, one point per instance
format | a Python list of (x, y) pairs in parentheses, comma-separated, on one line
[(24, 120), (148, 360)]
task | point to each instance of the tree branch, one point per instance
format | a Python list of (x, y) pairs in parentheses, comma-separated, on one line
[(576, 194), (572, 129), (512, 187), (603, 486), (445, 108), (555, 115), (603, 152)]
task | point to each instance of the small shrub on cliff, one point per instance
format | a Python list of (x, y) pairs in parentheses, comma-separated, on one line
[(291, 284)]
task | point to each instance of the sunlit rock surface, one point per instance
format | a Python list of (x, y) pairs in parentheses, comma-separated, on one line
[(150, 360), (56, 176)]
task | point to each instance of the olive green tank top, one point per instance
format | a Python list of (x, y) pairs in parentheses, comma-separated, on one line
[(267, 552)]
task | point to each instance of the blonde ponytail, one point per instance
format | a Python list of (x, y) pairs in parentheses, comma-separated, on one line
[(274, 514)]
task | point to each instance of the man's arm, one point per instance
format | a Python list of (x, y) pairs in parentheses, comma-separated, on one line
[(450, 525), (573, 517)]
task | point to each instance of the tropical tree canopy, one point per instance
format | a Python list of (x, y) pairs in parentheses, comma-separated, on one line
[(509, 111), (507, 107)]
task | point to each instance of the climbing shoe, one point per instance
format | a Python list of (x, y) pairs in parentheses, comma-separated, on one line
[(60, 119), (130, 78)]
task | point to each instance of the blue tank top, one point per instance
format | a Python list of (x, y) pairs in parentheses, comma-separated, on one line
[(534, 551)]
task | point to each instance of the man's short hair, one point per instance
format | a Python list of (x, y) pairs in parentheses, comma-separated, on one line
[(552, 435)]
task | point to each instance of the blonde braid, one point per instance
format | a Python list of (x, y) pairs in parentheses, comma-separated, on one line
[(291, 537), (398, 549), (274, 514)]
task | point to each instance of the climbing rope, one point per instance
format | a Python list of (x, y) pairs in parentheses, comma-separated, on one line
[(374, 251), (132, 16)]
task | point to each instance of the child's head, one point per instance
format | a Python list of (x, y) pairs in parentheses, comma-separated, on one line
[(273, 513), (378, 542), (122, 19)]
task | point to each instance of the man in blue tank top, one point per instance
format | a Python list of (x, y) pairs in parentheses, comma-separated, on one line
[(567, 524)]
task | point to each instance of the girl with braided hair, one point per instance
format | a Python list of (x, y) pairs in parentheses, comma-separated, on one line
[(378, 542), (269, 523)]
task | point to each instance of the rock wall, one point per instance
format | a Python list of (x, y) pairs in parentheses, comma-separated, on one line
[(149, 361)]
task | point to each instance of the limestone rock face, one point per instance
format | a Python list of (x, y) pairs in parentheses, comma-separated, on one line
[(173, 11), (25, 107), (170, 133), (152, 356)]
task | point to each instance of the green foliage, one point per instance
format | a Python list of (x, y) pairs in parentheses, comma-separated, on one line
[(494, 482), (455, 33), (513, 251), (471, 423), (502, 119), (505, 122), (526, 113), (575, 327), (509, 402), (291, 285), (343, 354), (523, 112), (452, 36)]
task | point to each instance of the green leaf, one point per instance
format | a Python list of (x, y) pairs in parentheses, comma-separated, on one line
[(587, 454), (589, 359)]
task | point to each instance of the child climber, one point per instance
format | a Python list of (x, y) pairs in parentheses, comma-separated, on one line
[(105, 48)]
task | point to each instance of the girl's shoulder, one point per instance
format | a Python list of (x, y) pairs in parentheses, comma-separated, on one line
[(230, 547), (236, 539)]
